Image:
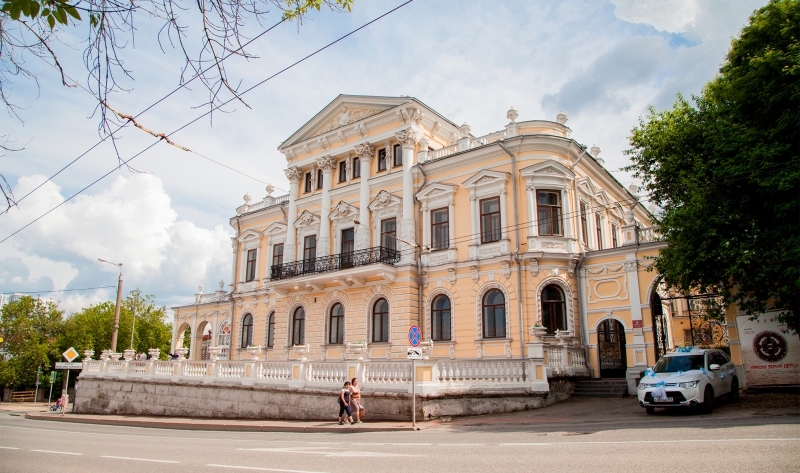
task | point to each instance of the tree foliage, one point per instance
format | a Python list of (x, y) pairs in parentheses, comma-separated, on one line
[(36, 332), (34, 28), (31, 330), (726, 172)]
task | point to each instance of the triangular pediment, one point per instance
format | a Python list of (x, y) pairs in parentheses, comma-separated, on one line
[(248, 235), (586, 186), (486, 177), (306, 219), (549, 167), (437, 189), (277, 228), (344, 211), (384, 200), (602, 197), (343, 111)]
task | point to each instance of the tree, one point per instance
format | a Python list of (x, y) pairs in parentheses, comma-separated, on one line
[(90, 329), (31, 329), (726, 172), (33, 29)]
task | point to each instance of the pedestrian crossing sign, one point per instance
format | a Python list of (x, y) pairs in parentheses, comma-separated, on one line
[(70, 354)]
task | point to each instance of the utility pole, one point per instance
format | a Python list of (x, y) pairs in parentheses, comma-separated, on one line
[(115, 327), (134, 298)]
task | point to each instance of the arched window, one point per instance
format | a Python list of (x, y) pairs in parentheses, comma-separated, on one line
[(224, 334), (299, 327), (380, 321), (247, 331), (440, 315), (494, 315), (553, 309), (336, 325), (271, 331)]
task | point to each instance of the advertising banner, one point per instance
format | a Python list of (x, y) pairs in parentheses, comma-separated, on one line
[(770, 356)]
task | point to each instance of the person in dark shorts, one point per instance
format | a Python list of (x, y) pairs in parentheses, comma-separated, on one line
[(344, 405)]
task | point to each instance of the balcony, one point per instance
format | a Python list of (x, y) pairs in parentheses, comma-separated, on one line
[(338, 262)]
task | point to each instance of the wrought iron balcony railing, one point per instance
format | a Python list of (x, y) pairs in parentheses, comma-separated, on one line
[(336, 262)]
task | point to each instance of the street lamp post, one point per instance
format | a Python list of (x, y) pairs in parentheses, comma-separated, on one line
[(115, 327), (134, 300)]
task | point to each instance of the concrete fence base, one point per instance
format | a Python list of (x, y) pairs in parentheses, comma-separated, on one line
[(165, 398)]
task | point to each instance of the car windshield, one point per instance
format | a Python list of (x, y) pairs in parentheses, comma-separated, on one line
[(672, 364)]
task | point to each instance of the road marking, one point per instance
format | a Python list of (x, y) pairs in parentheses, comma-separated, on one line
[(54, 451), (261, 469), (536, 444), (138, 459), (9, 448), (306, 450)]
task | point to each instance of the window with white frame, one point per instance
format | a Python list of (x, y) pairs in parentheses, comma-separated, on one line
[(548, 206), (252, 262), (380, 321), (440, 228)]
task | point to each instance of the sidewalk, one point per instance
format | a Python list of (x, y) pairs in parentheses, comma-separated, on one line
[(38, 411)]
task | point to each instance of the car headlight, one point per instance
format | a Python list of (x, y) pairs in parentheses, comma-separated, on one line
[(647, 386), (689, 384)]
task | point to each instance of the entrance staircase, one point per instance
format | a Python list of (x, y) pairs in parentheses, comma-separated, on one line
[(601, 388)]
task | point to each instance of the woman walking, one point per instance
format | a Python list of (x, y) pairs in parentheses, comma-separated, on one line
[(355, 401), (344, 405)]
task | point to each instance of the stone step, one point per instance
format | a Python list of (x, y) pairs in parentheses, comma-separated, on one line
[(608, 395), (601, 388)]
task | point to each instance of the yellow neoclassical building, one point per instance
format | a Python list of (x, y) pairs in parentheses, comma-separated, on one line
[(515, 245)]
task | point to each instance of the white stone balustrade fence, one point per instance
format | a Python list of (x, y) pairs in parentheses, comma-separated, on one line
[(432, 376)]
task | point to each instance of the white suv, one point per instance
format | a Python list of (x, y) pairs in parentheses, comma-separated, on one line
[(689, 377)]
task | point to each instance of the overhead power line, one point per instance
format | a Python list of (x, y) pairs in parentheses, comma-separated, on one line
[(62, 290), (213, 108)]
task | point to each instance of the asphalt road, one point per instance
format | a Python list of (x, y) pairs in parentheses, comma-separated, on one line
[(610, 436)]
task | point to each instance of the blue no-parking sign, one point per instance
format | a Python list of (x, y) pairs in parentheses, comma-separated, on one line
[(414, 335)]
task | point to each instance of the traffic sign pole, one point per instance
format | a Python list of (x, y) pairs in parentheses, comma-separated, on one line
[(413, 395), (52, 382)]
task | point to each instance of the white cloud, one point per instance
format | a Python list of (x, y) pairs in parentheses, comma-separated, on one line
[(665, 15), (131, 221)]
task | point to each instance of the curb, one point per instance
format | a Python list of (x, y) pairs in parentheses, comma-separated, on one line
[(220, 426)]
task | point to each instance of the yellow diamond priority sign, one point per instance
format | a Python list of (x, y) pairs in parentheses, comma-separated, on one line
[(70, 354)]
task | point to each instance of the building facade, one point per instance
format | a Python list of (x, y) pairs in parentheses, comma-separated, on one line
[(394, 215)]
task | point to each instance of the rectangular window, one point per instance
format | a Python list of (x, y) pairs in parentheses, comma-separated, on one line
[(440, 229), (614, 241), (549, 212), (599, 225), (398, 156), (250, 271), (382, 160), (319, 178), (490, 220), (310, 247), (343, 171), (356, 168), (584, 231), (277, 254), (307, 183), (389, 233), (348, 246)]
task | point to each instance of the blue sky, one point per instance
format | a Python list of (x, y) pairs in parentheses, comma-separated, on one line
[(601, 62)]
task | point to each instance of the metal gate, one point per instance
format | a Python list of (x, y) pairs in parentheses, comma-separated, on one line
[(611, 349), (660, 333)]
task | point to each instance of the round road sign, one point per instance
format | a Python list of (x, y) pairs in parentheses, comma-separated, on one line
[(414, 335)]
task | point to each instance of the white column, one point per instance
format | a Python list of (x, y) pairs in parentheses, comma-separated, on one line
[(408, 139), (235, 248), (365, 153), (290, 246), (451, 232), (476, 215), (192, 337), (532, 214), (324, 240), (503, 215), (567, 211), (426, 226)]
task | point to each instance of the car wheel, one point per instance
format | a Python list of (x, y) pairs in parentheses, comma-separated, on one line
[(708, 401), (650, 410), (733, 396)]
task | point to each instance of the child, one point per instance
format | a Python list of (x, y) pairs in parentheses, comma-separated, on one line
[(344, 405)]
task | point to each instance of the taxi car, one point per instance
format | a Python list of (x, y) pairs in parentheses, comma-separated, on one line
[(689, 377)]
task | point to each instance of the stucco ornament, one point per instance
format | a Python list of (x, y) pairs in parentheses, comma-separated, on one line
[(247, 199), (562, 118), (341, 208), (365, 151), (466, 129), (293, 174), (407, 137), (326, 163), (306, 218), (270, 189), (595, 150)]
